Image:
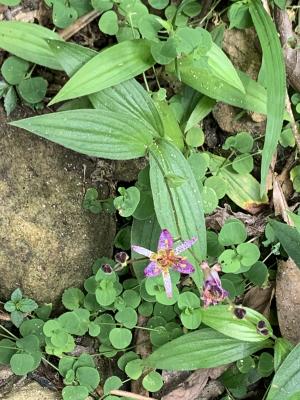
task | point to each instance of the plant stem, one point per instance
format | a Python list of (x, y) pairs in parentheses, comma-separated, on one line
[(8, 332), (128, 395)]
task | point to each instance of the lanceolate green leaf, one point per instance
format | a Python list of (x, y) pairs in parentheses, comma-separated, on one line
[(275, 82), (289, 237), (27, 41), (205, 348), (106, 134), (286, 381), (70, 56), (113, 65), (222, 319), (200, 77), (144, 233), (202, 109), (177, 200), (128, 97)]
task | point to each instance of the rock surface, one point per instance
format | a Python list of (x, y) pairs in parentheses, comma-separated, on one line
[(243, 49), (32, 391), (288, 300), (47, 241)]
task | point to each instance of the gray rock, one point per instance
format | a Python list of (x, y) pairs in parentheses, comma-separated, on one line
[(243, 48), (47, 241), (32, 391)]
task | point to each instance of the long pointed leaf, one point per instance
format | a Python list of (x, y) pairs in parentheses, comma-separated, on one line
[(205, 348), (106, 134), (275, 83), (199, 77), (177, 200), (27, 41), (286, 381), (113, 65), (128, 97)]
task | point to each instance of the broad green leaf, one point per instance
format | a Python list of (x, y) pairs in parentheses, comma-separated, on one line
[(201, 77), (113, 65), (178, 206), (222, 319), (170, 124), (289, 237), (106, 134), (128, 97), (275, 83), (202, 109), (204, 348), (281, 350), (243, 190), (27, 41), (144, 233), (286, 381), (70, 56)]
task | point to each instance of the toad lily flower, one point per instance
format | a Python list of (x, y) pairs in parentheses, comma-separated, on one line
[(213, 293), (167, 258)]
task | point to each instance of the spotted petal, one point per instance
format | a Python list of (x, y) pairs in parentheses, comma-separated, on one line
[(152, 269), (185, 245), (141, 250), (167, 284), (165, 240), (184, 267)]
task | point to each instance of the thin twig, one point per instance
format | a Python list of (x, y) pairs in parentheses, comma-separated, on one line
[(128, 394), (293, 123), (79, 24)]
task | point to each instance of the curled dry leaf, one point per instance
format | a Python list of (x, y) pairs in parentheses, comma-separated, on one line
[(255, 224), (260, 299), (196, 386), (288, 300)]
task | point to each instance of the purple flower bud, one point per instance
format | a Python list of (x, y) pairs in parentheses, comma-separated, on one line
[(107, 268), (261, 328), (122, 258), (239, 312)]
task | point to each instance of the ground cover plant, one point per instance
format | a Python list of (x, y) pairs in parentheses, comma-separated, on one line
[(179, 275)]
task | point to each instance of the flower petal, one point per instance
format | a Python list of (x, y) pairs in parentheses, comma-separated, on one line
[(185, 245), (167, 284), (184, 267), (152, 269), (165, 240), (142, 250)]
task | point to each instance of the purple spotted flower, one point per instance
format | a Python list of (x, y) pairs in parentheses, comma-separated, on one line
[(165, 258), (213, 293)]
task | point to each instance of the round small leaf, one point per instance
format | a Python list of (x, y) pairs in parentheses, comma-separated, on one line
[(125, 358), (72, 298), (62, 15), (102, 5), (75, 393), (153, 381), (243, 164), (88, 377), (112, 383), (33, 90), (159, 4), (188, 299), (218, 184), (230, 261), (195, 137), (22, 363), (120, 338), (210, 200), (108, 23), (249, 253), (265, 364), (14, 70), (258, 274), (128, 317), (131, 298), (134, 369), (232, 232), (145, 309), (191, 319)]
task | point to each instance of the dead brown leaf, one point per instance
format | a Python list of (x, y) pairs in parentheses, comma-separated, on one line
[(288, 300), (279, 201), (255, 224), (260, 299), (192, 388)]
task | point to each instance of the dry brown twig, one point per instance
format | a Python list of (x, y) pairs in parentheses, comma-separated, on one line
[(79, 24), (128, 394)]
